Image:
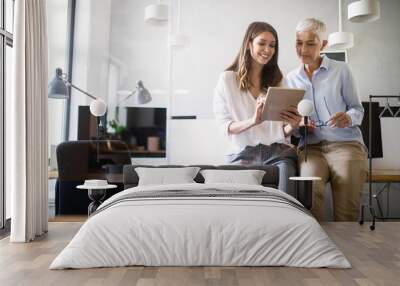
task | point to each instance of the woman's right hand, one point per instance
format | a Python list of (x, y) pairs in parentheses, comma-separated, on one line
[(238, 127), (256, 119)]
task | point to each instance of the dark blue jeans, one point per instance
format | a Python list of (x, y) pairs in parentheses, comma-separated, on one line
[(281, 155)]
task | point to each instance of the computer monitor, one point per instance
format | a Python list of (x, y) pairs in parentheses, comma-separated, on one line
[(145, 122), (144, 117), (140, 122), (336, 55)]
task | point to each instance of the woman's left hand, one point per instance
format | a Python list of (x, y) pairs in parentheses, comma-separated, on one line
[(291, 116), (340, 120)]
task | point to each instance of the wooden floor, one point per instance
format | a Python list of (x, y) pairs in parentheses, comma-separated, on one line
[(375, 256)]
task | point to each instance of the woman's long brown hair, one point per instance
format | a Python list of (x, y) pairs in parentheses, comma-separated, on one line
[(271, 75)]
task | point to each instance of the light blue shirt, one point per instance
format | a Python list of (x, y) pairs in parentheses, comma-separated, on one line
[(332, 89)]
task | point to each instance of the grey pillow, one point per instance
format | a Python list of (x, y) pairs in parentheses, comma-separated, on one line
[(248, 177), (163, 176)]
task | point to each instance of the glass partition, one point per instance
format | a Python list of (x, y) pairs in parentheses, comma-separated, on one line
[(57, 21)]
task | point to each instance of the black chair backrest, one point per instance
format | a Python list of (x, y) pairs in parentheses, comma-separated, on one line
[(77, 159), (81, 160)]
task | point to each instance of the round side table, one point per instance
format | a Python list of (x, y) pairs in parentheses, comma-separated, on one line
[(304, 189), (96, 194)]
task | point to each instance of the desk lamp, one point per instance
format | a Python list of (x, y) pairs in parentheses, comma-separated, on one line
[(305, 108)]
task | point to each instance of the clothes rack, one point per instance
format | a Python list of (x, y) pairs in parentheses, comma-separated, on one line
[(390, 177)]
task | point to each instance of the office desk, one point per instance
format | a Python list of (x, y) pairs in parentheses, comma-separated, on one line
[(385, 176), (52, 174)]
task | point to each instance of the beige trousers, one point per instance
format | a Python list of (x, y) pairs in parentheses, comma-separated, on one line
[(345, 165)]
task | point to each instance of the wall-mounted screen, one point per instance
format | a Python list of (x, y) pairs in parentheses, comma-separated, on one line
[(336, 55)]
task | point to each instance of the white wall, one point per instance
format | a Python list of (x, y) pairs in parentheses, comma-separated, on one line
[(91, 51), (80, 65), (196, 142), (215, 28), (375, 62), (57, 39), (138, 51)]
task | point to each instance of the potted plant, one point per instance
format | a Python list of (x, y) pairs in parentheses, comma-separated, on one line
[(119, 129)]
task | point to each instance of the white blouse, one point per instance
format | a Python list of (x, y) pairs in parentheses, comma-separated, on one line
[(231, 104)]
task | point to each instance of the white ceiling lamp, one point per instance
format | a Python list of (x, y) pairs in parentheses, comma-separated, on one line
[(340, 40), (157, 14), (363, 11), (177, 39)]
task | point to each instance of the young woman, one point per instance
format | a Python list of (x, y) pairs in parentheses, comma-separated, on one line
[(336, 150), (238, 102)]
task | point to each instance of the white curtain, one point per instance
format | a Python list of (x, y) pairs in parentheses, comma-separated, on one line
[(28, 124)]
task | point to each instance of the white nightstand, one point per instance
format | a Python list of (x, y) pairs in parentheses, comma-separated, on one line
[(96, 194)]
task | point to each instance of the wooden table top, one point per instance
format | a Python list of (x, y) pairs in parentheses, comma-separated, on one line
[(53, 174), (385, 176)]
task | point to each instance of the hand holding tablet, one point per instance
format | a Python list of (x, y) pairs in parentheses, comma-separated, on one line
[(280, 101)]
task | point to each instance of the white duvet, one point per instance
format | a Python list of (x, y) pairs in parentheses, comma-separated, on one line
[(200, 231)]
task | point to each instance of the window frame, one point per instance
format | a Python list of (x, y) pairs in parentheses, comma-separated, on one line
[(6, 39)]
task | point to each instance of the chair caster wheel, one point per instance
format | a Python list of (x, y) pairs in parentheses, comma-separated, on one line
[(372, 227), (361, 222)]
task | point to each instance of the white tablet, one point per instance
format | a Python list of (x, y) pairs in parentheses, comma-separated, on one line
[(278, 99)]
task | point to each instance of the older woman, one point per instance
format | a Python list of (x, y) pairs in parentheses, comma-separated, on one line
[(336, 151)]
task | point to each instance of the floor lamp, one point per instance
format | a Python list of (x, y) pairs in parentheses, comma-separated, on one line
[(305, 108), (58, 88)]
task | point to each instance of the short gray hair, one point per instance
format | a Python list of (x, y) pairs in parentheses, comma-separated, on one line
[(312, 25)]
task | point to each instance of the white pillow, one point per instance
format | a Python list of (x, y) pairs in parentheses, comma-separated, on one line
[(163, 176), (248, 177)]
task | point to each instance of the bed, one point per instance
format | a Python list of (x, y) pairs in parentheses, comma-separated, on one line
[(201, 224)]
